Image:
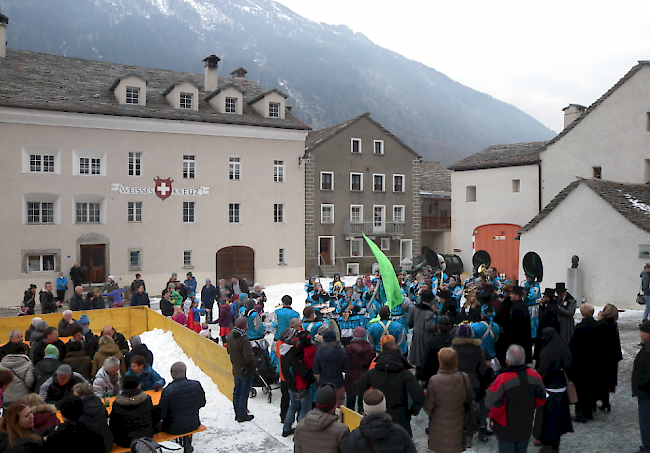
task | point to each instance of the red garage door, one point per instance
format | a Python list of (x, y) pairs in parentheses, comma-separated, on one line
[(498, 240)]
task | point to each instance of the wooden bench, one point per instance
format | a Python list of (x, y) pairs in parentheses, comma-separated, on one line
[(162, 437)]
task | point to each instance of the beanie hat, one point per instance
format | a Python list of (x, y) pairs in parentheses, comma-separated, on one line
[(72, 407), (359, 332), (241, 323), (243, 297), (40, 325), (84, 319), (131, 382), (444, 320), (64, 370), (329, 336), (385, 339), (371, 405), (287, 335), (645, 326), (464, 331), (426, 296), (326, 397), (52, 350)]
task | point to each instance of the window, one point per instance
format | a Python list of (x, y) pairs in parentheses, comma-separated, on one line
[(378, 183), (356, 247), (189, 165), (379, 147), (327, 213), (405, 249), (40, 212), (40, 263), (90, 165), (355, 146), (231, 105), (87, 212), (598, 172), (132, 95), (516, 185), (135, 211), (281, 256), (385, 243), (278, 171), (379, 218), (188, 212), (41, 163), (186, 101), (134, 260), (187, 258), (398, 183), (234, 213), (135, 162), (356, 213), (470, 194), (356, 182), (444, 213), (278, 213), (398, 214), (235, 168), (326, 180), (352, 269), (274, 110)]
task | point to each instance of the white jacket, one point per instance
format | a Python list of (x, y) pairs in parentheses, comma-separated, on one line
[(104, 382), (23, 377)]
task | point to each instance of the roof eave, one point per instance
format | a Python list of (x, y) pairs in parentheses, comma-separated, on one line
[(495, 165)]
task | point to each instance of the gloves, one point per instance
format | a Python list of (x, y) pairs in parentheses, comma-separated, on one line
[(156, 387)]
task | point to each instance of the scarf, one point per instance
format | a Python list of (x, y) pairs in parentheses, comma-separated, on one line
[(241, 332)]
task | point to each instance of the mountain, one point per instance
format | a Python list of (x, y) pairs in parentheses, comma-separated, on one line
[(330, 73)]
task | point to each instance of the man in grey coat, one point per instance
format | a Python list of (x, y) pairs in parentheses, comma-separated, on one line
[(422, 319), (566, 309)]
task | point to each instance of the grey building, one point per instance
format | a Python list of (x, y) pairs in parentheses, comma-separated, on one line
[(359, 178), (435, 188)]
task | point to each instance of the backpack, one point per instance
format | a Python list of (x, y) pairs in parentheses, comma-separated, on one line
[(148, 445)]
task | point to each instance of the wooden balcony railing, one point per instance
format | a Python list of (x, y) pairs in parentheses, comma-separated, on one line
[(375, 228), (436, 223)]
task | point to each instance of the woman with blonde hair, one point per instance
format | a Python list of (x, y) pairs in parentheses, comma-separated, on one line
[(610, 355), (17, 430), (107, 348), (44, 414)]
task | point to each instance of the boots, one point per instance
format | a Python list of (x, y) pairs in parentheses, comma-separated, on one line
[(483, 434)]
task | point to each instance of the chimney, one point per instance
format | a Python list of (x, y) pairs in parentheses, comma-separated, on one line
[(4, 20), (572, 112), (211, 73), (239, 73)]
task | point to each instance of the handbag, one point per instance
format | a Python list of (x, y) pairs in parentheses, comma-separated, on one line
[(640, 298), (471, 420), (571, 392)]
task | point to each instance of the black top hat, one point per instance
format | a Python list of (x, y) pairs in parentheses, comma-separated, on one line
[(518, 290), (560, 287), (549, 292)]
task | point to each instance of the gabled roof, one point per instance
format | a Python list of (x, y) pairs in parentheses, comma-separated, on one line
[(434, 178), (32, 80), (119, 79), (495, 156), (254, 100), (221, 88), (175, 84), (317, 138), (593, 106), (632, 201)]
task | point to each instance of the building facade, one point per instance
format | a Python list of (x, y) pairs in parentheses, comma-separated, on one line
[(127, 169), (435, 192), (359, 179)]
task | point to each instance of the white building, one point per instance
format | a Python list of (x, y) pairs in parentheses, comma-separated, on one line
[(128, 169)]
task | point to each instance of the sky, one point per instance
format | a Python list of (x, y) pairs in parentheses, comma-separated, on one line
[(539, 56)]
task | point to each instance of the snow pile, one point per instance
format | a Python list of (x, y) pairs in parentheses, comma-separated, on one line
[(641, 206)]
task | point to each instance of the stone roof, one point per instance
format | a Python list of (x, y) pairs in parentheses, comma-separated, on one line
[(434, 178), (507, 155), (49, 82), (632, 201), (317, 138)]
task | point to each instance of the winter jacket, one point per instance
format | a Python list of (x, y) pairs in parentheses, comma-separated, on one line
[(180, 318), (471, 359), (645, 282), (52, 392), (512, 399), (641, 373), (105, 382), (447, 393), (65, 327), (23, 381), (320, 432), (148, 378), (77, 302), (208, 294), (116, 294), (609, 355), (37, 353), (43, 371), (166, 307), (140, 299), (385, 436), (293, 368), (105, 351), (10, 348), (392, 375), (119, 340), (142, 350), (434, 345), (44, 417), (29, 301), (48, 304), (86, 303), (96, 417), (421, 320), (135, 284), (566, 310), (360, 354), (79, 362), (71, 433), (587, 355), (76, 274), (190, 285), (35, 334), (132, 416), (179, 406), (61, 283), (21, 445), (225, 315), (241, 355), (98, 303), (330, 363)]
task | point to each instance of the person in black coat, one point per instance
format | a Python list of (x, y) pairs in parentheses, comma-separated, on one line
[(166, 305), (392, 376), (180, 402), (72, 431), (133, 415), (440, 340), (95, 415), (77, 299), (76, 274), (140, 297), (48, 302), (586, 349), (517, 331), (137, 348), (117, 337), (208, 295), (641, 384), (29, 301), (610, 355), (548, 317)]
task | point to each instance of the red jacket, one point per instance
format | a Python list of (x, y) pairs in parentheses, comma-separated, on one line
[(308, 359)]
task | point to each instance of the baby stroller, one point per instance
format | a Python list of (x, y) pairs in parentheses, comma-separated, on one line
[(265, 375)]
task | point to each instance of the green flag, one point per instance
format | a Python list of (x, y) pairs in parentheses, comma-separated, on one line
[(391, 285)]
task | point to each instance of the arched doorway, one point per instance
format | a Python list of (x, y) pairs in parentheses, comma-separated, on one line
[(498, 239), (238, 261)]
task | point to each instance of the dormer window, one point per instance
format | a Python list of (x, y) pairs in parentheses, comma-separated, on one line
[(186, 101), (231, 105), (132, 95), (274, 110)]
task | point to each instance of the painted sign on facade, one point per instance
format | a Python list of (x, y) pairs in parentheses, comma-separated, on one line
[(162, 189)]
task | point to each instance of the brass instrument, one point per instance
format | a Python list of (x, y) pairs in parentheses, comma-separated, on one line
[(348, 311), (483, 271)]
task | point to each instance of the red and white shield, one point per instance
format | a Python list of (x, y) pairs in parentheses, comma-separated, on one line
[(163, 187)]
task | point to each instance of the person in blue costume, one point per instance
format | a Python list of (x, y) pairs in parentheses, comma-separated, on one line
[(355, 318), (373, 304), (309, 286), (386, 326), (311, 323), (494, 278), (256, 328), (359, 287), (282, 316), (533, 294), (314, 297), (487, 331), (336, 281)]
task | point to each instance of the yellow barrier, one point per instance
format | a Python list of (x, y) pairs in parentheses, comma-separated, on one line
[(350, 418)]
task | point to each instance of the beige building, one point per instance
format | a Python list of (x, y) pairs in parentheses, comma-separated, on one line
[(127, 169)]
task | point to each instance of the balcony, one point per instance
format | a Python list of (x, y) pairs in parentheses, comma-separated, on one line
[(373, 228), (436, 223)]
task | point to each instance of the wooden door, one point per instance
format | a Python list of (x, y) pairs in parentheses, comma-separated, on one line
[(499, 241), (93, 263), (238, 261), (325, 250)]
